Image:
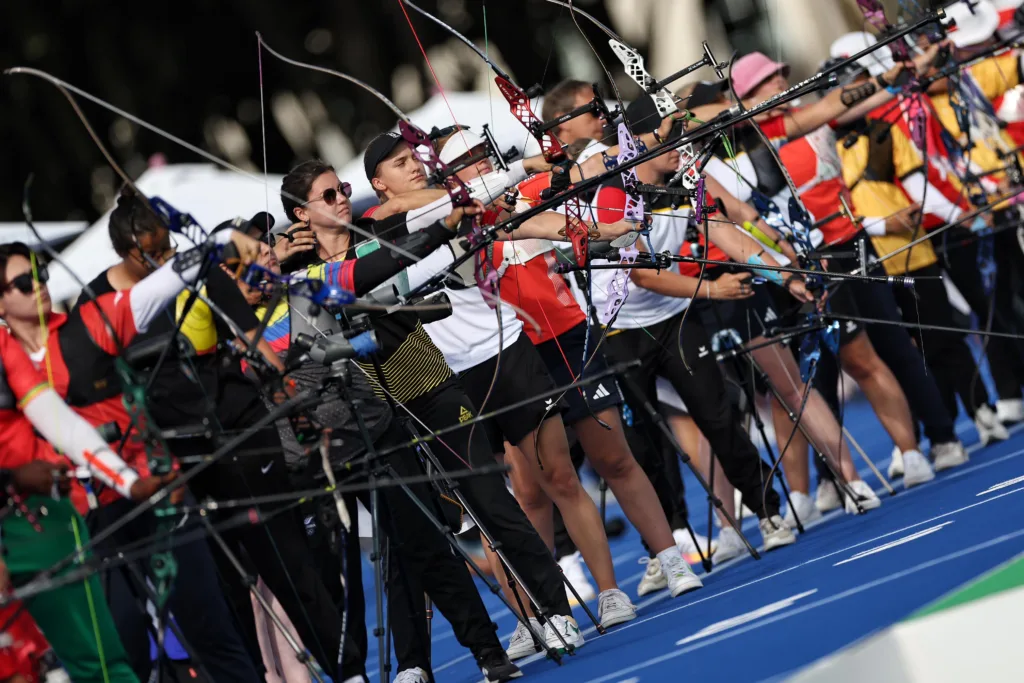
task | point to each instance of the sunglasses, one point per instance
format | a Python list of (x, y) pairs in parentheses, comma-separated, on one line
[(25, 283), (330, 195)]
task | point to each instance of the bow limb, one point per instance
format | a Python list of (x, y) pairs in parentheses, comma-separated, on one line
[(162, 564)]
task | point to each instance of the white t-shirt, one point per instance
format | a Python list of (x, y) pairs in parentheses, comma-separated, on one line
[(470, 335), (642, 306)]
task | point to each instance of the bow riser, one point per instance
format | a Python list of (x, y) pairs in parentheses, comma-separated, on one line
[(519, 105), (634, 211), (634, 65), (618, 288)]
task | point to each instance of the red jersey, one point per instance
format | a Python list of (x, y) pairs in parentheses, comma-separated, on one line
[(19, 384), (527, 280), (108, 407), (369, 212), (814, 165), (24, 646)]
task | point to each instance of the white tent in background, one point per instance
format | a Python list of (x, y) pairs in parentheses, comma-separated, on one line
[(213, 195), (52, 232), (209, 194)]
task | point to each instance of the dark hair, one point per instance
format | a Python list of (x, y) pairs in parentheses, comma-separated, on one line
[(130, 218), (562, 98), (6, 252), (298, 182)]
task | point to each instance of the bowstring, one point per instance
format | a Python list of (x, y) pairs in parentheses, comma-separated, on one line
[(45, 335), (488, 296)]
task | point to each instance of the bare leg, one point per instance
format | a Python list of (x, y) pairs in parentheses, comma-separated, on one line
[(817, 417), (610, 456), (694, 444), (882, 390), (499, 575), (557, 479), (794, 459), (531, 496)]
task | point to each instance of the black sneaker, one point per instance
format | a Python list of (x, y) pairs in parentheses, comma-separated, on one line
[(496, 666)]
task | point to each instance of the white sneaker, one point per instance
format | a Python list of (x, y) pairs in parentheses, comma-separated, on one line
[(827, 497), (413, 675), (569, 630), (654, 579), (896, 464), (730, 545), (916, 469), (681, 578), (688, 549), (1010, 411), (572, 567), (951, 454), (614, 607), (775, 532), (805, 509), (989, 426), (867, 497), (521, 644)]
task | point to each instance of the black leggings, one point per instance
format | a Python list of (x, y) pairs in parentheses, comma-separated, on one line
[(891, 342), (277, 547), (704, 392), (488, 495), (960, 261), (946, 353), (197, 603)]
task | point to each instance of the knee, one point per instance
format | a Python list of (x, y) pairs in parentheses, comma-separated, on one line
[(860, 360), (618, 467), (563, 484), (529, 495)]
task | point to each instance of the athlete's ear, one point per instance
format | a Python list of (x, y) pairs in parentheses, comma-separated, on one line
[(301, 215), (378, 184)]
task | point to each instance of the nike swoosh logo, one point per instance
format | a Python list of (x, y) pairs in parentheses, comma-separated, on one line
[(266, 469)]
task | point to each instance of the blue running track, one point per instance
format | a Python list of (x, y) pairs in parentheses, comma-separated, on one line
[(845, 578)]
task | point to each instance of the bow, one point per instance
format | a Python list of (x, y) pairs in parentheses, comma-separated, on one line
[(519, 105)]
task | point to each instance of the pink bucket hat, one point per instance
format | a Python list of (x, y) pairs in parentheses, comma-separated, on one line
[(751, 70)]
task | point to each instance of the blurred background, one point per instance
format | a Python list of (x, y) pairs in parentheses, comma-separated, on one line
[(192, 67)]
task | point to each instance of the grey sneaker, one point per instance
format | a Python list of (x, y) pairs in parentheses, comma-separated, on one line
[(775, 532)]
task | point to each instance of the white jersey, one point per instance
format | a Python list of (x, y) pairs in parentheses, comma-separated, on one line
[(642, 306), (470, 335)]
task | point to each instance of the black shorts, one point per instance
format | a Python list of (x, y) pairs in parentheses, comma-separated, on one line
[(522, 374), (842, 297), (564, 359), (738, 319)]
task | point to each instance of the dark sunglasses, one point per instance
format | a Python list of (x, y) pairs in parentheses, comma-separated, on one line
[(25, 283), (330, 195)]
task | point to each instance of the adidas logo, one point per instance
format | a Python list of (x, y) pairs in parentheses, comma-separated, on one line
[(769, 315), (601, 392), (464, 414), (548, 402), (702, 351)]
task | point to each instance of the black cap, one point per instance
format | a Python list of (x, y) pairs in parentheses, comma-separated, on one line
[(258, 225), (378, 150), (706, 92), (642, 116)]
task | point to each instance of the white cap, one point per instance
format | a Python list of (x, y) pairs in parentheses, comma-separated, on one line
[(458, 144), (972, 27), (876, 63)]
